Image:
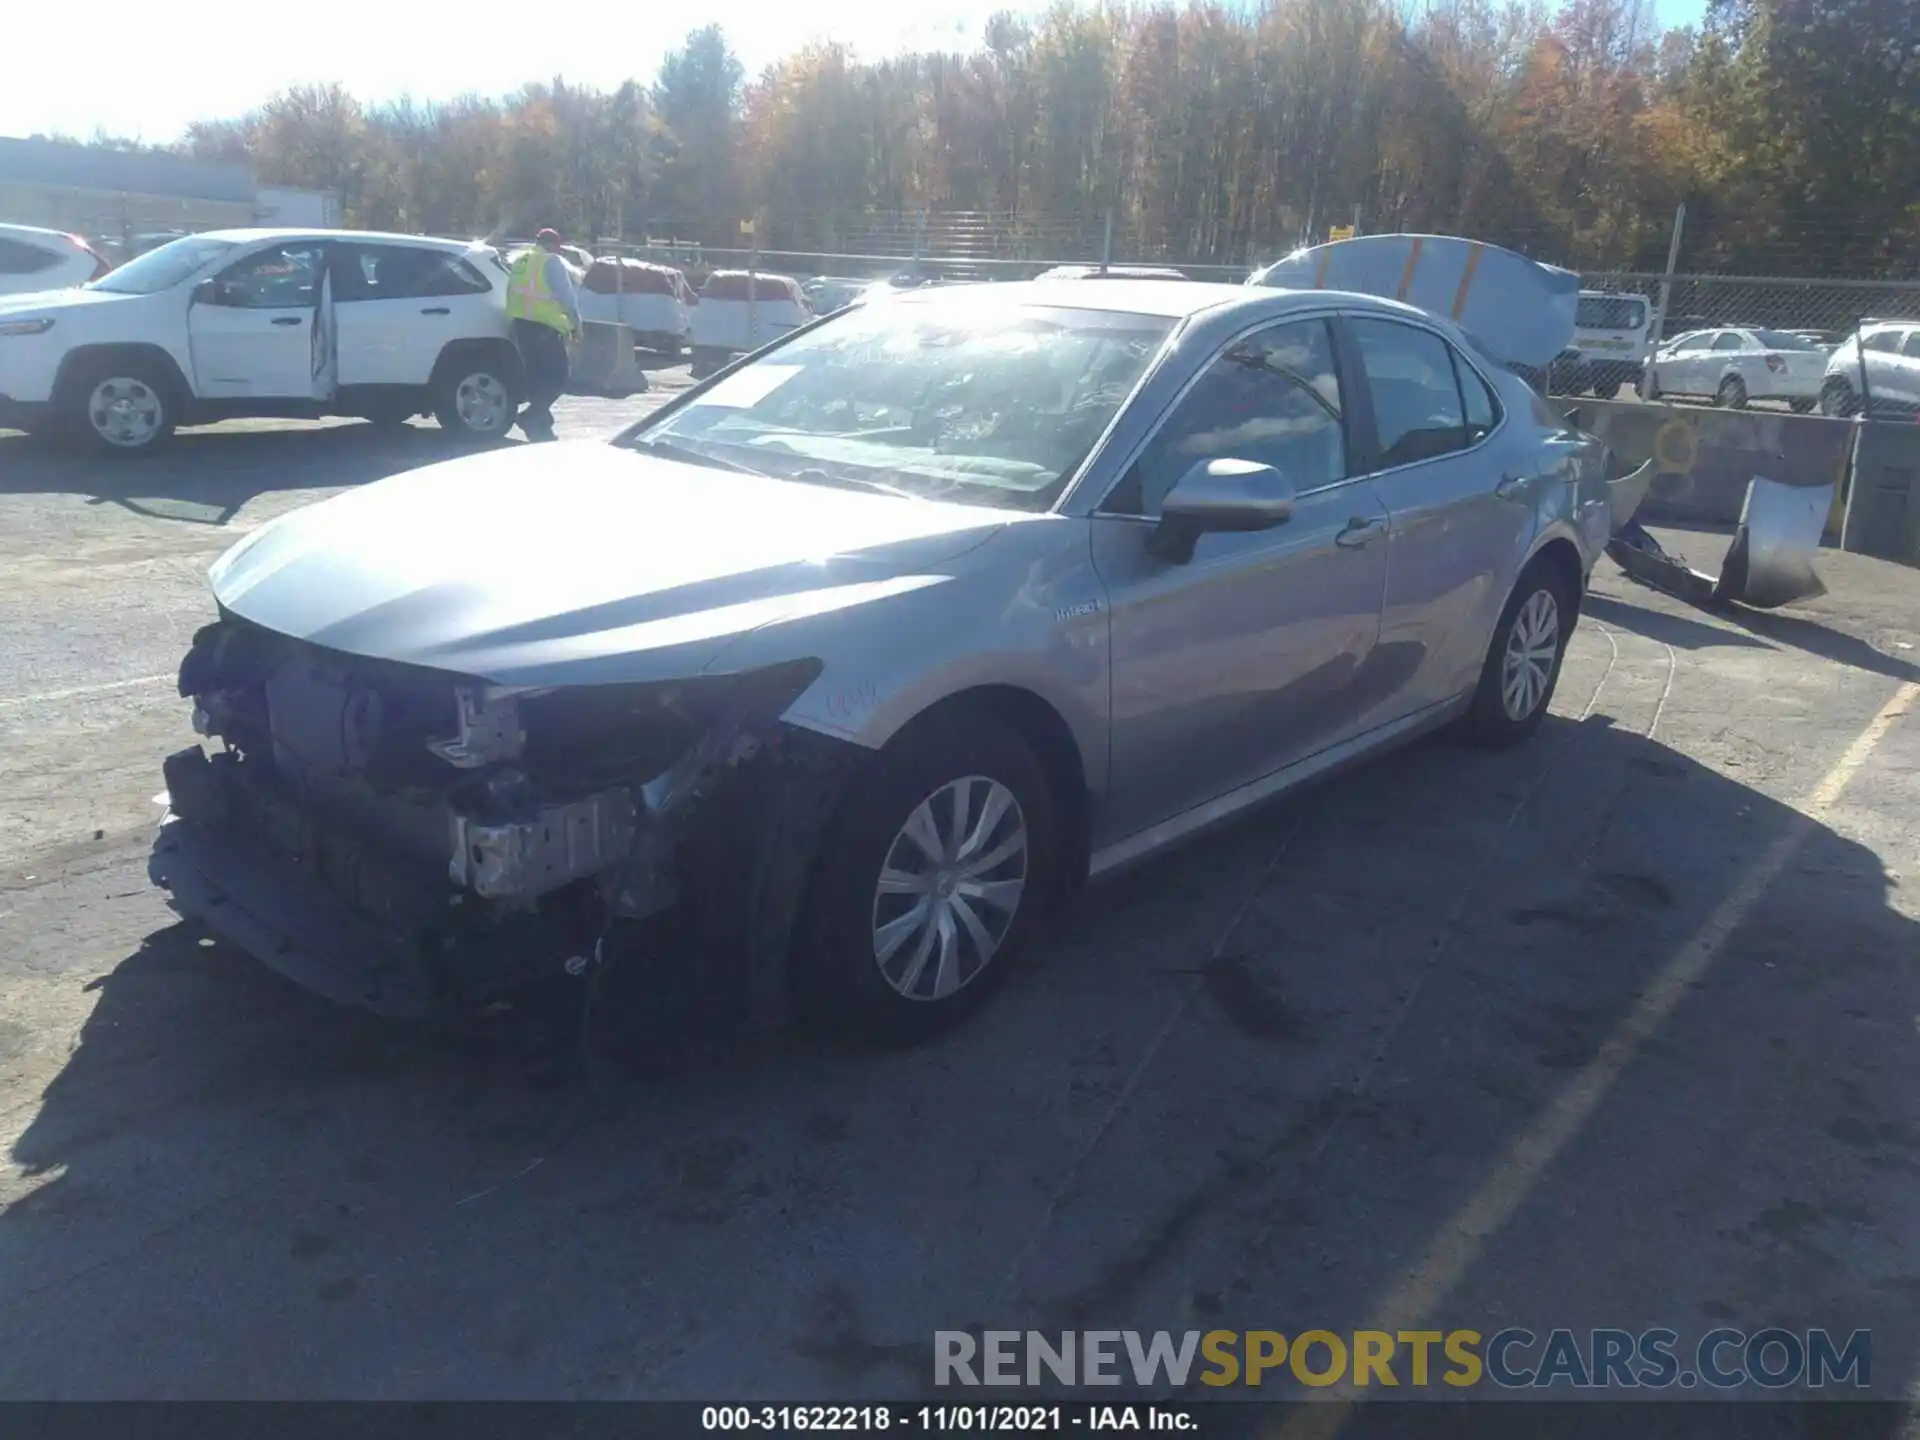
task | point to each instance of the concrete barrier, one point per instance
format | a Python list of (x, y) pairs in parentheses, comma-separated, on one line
[(1704, 459), (603, 362), (1883, 502)]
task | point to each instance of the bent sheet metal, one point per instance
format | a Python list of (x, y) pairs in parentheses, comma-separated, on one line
[(1769, 564)]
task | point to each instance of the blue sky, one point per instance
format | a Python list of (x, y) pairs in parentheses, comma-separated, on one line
[(135, 70)]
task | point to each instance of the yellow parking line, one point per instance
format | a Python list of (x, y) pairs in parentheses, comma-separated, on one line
[(1418, 1293)]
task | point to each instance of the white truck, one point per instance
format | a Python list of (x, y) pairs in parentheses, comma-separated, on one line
[(294, 323), (1614, 333)]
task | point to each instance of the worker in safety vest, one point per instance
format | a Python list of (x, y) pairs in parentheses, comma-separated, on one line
[(545, 310)]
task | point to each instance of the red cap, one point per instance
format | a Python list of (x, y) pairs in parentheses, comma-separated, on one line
[(547, 237)]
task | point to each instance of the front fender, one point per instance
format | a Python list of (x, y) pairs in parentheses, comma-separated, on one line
[(1026, 612)]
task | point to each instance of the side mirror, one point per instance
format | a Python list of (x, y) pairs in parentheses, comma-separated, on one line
[(207, 292), (1219, 496)]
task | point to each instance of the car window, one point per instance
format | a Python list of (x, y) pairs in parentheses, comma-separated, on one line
[(19, 258), (401, 272), (1273, 398), (1482, 407), (1416, 399), (1912, 345), (1886, 340), (280, 277), (1610, 312), (955, 397), (1785, 340), (162, 267), (1730, 340), (1690, 343)]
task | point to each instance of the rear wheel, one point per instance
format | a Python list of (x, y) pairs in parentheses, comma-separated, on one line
[(1523, 662), (1732, 394), (117, 407), (930, 880), (1837, 397), (474, 399)]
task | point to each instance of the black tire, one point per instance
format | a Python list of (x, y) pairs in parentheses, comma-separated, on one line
[(1837, 398), (1801, 406), (707, 361), (84, 410), (1606, 389), (476, 396), (1489, 721), (841, 982), (390, 417), (1732, 394)]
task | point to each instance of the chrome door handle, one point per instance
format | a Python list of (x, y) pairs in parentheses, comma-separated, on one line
[(436, 310), (1360, 529), (287, 320)]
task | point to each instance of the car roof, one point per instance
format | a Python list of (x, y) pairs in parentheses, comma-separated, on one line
[(1167, 299), (38, 232), (381, 237)]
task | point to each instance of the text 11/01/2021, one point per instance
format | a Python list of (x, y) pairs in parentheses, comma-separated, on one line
[(946, 1419)]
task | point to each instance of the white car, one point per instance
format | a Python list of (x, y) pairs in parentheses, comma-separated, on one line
[(1890, 352), (1734, 366), (828, 293), (732, 320), (32, 260), (653, 301), (298, 323)]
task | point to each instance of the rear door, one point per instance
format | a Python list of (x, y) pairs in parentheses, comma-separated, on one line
[(258, 332), (397, 306), (1459, 525)]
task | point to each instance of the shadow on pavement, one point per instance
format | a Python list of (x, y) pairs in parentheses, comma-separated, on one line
[(208, 475), (245, 1193)]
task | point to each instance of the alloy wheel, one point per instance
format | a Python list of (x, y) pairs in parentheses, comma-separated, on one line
[(1533, 644), (949, 888), (125, 412)]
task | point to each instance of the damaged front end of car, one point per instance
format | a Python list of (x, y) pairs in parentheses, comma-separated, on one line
[(425, 845)]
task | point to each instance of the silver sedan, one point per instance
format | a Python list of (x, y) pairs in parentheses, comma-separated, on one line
[(815, 687)]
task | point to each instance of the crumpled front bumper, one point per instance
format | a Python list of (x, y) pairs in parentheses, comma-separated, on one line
[(289, 923), (356, 925)]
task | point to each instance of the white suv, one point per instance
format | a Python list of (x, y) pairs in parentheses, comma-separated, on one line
[(32, 259), (298, 323)]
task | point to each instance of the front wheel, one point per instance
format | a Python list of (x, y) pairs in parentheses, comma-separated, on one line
[(1732, 394), (117, 407), (1837, 398), (929, 882), (1523, 662)]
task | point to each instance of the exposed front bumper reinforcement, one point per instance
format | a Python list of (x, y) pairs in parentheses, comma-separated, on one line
[(1769, 564), (361, 926), (290, 925)]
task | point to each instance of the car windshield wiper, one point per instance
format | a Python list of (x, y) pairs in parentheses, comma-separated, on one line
[(680, 450)]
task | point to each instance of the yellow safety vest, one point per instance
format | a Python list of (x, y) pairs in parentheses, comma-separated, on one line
[(528, 297)]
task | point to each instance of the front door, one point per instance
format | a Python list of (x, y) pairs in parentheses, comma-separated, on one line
[(1460, 525), (260, 332), (1251, 655)]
